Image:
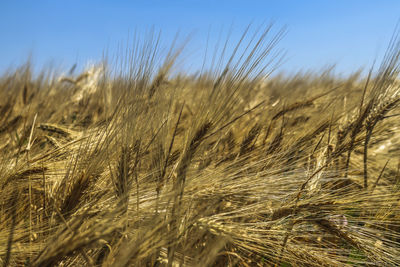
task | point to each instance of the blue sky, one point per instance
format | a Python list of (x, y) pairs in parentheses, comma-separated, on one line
[(348, 33)]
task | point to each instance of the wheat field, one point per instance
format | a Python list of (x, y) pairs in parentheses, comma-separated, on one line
[(146, 166)]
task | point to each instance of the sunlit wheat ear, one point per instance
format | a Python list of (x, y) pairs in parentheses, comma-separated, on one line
[(380, 111), (315, 183), (23, 174), (193, 145), (377, 115), (247, 144), (179, 184), (53, 141), (123, 179), (75, 190)]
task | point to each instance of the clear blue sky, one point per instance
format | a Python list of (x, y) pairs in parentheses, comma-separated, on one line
[(350, 33)]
